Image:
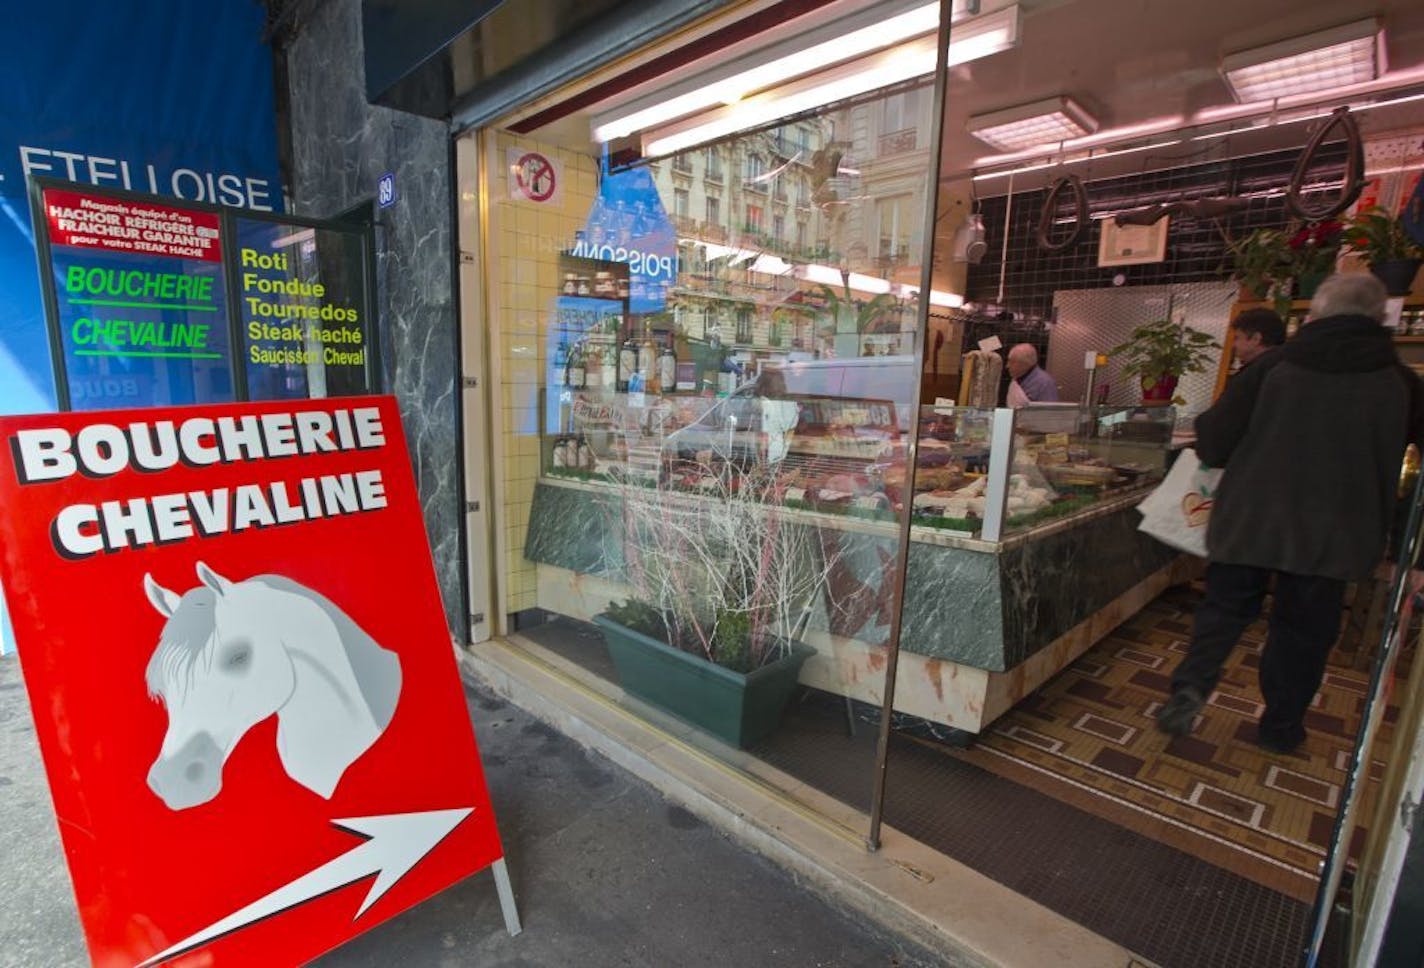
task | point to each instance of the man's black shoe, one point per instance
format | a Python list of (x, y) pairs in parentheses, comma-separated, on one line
[(1179, 713), (1280, 741)]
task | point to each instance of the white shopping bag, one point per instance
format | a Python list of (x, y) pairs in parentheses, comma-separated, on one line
[(1176, 513)]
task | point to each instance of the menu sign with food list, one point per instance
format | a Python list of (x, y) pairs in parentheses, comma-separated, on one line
[(305, 328), (152, 304)]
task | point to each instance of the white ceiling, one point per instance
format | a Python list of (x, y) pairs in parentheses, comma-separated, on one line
[(1132, 61)]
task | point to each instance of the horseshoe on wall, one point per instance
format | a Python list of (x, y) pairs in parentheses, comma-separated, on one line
[(1353, 182), (1050, 205)]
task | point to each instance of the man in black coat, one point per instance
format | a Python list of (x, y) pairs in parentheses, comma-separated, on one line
[(1311, 436)]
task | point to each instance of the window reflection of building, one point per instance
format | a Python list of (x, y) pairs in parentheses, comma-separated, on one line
[(900, 121), (756, 169), (819, 192), (895, 223), (744, 325)]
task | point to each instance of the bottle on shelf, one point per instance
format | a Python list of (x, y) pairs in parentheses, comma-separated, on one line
[(608, 362), (647, 356), (711, 372), (627, 364), (577, 370), (667, 368)]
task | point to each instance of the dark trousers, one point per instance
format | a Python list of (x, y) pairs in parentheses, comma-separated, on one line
[(1304, 623)]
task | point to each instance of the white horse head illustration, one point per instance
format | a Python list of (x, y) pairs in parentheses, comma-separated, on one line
[(233, 653)]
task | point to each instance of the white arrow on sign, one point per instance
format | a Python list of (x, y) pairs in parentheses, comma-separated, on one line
[(395, 843)]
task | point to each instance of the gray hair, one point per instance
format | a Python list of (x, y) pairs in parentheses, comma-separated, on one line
[(1350, 294)]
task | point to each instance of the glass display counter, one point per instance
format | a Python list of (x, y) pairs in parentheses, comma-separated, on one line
[(1024, 542)]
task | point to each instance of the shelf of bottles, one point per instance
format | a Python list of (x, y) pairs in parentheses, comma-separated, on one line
[(596, 346)]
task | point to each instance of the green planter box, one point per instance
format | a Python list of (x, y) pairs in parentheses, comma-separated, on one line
[(736, 708)]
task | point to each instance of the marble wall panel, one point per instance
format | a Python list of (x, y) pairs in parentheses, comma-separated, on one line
[(340, 148), (576, 529), (1053, 582)]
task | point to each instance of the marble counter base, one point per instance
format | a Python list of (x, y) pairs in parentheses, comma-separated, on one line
[(938, 690), (986, 607)]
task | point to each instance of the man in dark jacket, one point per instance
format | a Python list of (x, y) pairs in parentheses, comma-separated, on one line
[(1257, 332), (1310, 435)]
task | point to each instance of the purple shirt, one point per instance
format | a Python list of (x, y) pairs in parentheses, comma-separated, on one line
[(1038, 386)]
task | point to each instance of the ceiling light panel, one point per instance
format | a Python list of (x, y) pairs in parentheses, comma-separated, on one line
[(1351, 54), (1032, 125)]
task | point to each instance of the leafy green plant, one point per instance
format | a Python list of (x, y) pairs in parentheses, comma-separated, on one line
[(865, 313), (1164, 348), (1379, 237), (1262, 260)]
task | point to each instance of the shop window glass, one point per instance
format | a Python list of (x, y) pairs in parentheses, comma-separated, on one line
[(691, 386)]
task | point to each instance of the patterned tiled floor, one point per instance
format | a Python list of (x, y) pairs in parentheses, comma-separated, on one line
[(1089, 738)]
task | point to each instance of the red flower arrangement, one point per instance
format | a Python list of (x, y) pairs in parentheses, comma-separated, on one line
[(1314, 247)]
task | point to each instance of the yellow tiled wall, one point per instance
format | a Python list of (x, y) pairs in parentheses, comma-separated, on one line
[(525, 240)]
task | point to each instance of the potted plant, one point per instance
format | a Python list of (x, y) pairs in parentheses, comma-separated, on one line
[(1262, 262), (721, 583), (1392, 255), (1314, 247), (1160, 353), (852, 317)]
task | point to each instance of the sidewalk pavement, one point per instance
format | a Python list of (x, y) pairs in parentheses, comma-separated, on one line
[(606, 873)]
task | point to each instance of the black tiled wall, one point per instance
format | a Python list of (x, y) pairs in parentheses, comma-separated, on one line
[(1196, 248)]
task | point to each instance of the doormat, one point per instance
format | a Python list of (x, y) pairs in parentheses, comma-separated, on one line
[(1089, 738)]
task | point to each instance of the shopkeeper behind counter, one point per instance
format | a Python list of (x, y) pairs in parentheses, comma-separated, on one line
[(1031, 383)]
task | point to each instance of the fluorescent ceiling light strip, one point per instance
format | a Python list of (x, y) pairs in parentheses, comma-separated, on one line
[(1385, 85), (893, 68), (979, 37), (710, 90), (1077, 160), (1125, 132), (1015, 171), (986, 34), (1348, 54)]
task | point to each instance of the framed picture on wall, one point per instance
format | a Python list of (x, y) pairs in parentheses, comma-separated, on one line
[(1130, 245)]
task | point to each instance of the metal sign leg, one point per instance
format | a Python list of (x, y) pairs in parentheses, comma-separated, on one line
[(506, 897)]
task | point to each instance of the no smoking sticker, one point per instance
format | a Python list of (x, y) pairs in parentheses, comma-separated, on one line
[(534, 177)]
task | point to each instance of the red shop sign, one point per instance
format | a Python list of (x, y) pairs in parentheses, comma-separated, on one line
[(242, 682), (83, 220)]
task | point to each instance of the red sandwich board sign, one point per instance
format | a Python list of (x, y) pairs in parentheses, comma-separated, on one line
[(243, 687)]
